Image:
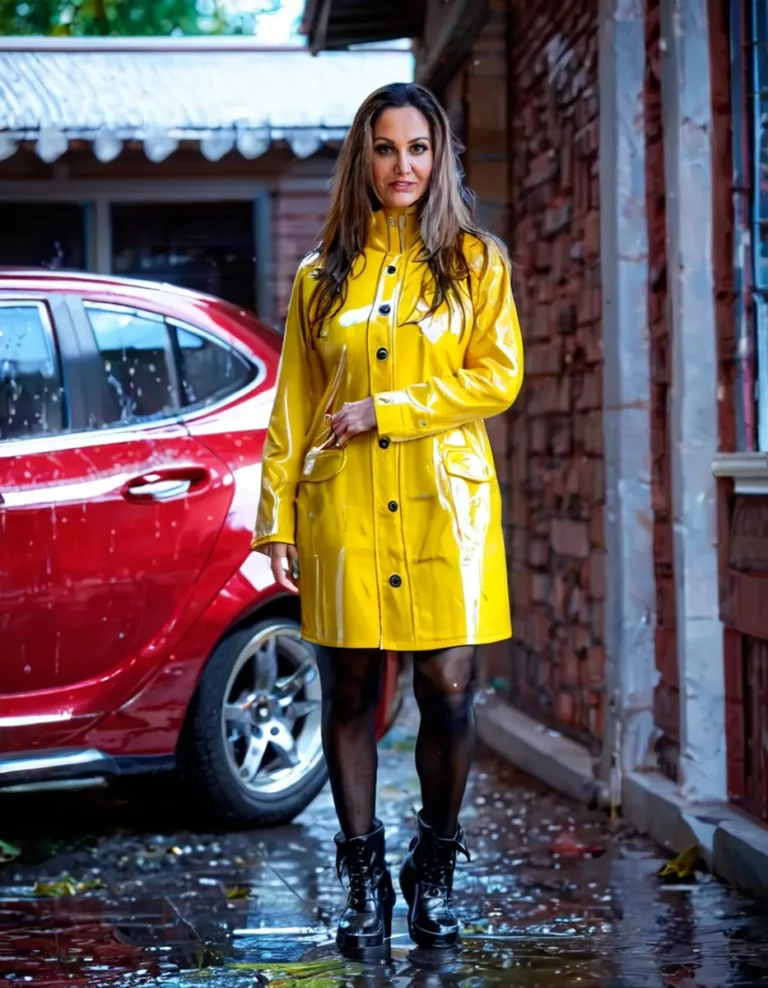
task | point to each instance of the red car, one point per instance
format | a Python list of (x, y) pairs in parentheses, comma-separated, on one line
[(137, 630)]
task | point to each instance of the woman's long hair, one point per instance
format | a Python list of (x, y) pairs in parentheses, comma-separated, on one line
[(445, 212)]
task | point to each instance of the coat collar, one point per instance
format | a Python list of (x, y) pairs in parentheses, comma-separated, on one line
[(394, 231)]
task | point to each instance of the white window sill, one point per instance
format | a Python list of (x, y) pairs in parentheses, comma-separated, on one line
[(749, 471)]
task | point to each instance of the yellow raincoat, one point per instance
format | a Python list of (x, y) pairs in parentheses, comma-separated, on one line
[(399, 534)]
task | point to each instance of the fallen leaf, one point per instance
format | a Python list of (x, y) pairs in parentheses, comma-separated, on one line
[(8, 852), (238, 891), (65, 886), (681, 868), (91, 885)]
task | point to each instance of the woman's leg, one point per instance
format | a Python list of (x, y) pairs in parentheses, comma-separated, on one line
[(444, 686), (351, 681)]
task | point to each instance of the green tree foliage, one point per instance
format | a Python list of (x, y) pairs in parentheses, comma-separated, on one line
[(132, 18)]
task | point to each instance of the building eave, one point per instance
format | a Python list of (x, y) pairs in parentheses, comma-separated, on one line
[(333, 25), (338, 24)]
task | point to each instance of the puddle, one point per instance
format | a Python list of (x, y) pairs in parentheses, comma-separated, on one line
[(553, 897)]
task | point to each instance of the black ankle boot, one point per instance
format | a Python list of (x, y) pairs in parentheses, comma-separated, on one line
[(367, 921), (426, 879)]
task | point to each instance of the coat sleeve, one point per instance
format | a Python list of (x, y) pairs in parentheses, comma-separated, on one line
[(486, 385), (288, 426)]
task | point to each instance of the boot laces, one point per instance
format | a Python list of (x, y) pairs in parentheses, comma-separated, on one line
[(359, 874), (437, 868)]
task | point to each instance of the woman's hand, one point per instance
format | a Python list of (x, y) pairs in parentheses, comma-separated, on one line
[(354, 418), (284, 561)]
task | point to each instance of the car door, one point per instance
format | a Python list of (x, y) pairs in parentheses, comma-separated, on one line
[(109, 521)]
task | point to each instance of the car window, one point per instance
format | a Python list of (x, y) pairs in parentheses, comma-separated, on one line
[(31, 393), (209, 370), (136, 354)]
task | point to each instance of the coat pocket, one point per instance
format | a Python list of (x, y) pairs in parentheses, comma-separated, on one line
[(467, 464), (323, 464), (471, 499)]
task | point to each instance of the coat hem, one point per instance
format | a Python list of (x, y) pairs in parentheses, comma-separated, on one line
[(421, 646)]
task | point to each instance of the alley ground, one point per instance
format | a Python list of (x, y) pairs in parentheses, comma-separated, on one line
[(553, 897)]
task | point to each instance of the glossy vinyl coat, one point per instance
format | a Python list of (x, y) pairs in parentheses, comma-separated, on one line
[(399, 534)]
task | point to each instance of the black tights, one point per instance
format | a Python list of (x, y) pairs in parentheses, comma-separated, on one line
[(443, 682)]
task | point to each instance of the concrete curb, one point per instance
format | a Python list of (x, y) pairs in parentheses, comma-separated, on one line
[(563, 764), (734, 847)]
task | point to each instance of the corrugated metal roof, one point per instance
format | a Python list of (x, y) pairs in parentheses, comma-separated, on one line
[(223, 99)]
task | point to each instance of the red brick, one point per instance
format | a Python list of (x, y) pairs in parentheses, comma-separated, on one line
[(564, 708), (597, 574), (666, 613), (538, 435), (593, 435), (540, 630), (561, 437), (666, 657), (592, 236), (558, 596), (597, 527), (570, 538), (598, 619), (538, 553), (735, 732), (582, 638), (540, 587), (666, 703), (734, 666), (596, 664), (571, 668), (596, 720)]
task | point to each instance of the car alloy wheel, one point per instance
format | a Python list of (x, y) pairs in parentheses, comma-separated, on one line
[(270, 717)]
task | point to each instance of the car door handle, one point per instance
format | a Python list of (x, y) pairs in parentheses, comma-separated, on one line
[(165, 485), (160, 490)]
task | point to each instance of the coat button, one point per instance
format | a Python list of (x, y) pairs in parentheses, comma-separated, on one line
[(391, 269), (382, 353), (392, 505), (385, 309), (384, 442), (395, 581)]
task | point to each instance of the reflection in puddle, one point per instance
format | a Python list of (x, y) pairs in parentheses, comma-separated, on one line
[(553, 897)]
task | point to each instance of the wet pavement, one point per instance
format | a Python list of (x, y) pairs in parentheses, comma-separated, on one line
[(555, 896)]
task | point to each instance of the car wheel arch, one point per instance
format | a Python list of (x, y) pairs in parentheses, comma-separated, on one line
[(280, 605)]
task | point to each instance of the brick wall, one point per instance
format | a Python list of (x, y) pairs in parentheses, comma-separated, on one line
[(297, 219), (667, 693), (556, 468), (742, 520)]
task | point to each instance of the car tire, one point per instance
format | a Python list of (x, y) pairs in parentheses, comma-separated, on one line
[(208, 759)]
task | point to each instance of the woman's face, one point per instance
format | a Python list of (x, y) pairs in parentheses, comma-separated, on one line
[(402, 157)]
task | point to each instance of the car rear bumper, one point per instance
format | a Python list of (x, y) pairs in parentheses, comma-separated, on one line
[(70, 767)]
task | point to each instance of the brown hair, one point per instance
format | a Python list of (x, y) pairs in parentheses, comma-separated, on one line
[(445, 212)]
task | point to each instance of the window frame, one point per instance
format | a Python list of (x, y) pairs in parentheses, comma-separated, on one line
[(62, 343), (132, 309), (98, 195), (93, 369), (251, 360)]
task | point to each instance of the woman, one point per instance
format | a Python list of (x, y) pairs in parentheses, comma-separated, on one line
[(379, 487)]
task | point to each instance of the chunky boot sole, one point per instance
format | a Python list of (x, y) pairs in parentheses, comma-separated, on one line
[(426, 939), (370, 946)]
